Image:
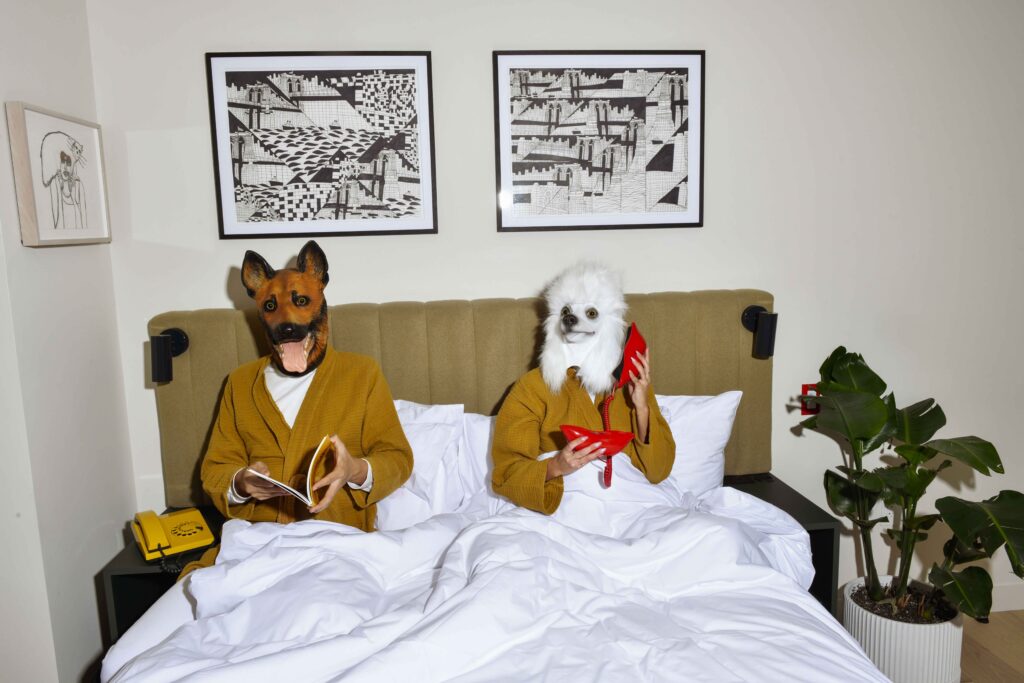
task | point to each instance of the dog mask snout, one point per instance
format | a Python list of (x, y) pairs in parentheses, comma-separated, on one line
[(569, 321), (290, 332)]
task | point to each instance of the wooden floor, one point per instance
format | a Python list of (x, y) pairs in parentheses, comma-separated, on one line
[(994, 652)]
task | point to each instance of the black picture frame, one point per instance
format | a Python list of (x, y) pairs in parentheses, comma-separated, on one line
[(563, 153), (356, 153)]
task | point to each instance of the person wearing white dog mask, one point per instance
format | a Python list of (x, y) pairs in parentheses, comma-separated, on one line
[(584, 334)]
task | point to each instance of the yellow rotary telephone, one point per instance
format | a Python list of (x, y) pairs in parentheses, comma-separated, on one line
[(161, 536)]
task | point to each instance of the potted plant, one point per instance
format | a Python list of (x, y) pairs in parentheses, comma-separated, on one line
[(911, 630)]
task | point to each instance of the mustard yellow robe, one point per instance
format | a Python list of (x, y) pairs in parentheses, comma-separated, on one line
[(348, 397), (528, 425)]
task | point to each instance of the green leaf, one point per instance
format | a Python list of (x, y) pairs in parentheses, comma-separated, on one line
[(850, 370), (922, 522), (842, 496), (958, 553), (970, 591), (894, 477), (918, 422), (853, 414), (888, 430), (970, 450), (918, 479), (989, 524), (914, 454), (907, 480), (869, 481), (894, 480), (825, 371)]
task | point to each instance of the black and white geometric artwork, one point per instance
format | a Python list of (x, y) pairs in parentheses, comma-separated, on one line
[(591, 140), (312, 144)]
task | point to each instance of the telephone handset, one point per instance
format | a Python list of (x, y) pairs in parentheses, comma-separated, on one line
[(635, 346), (161, 536)]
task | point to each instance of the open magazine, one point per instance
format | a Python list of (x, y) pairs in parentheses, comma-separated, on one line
[(311, 478)]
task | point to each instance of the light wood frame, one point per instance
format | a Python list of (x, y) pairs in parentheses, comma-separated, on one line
[(25, 182)]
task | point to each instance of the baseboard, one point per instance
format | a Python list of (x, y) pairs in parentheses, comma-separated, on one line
[(1008, 596)]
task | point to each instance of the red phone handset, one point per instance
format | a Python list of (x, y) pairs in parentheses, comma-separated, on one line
[(636, 345), (613, 442)]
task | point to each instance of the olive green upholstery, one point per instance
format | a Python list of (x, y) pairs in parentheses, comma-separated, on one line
[(470, 352)]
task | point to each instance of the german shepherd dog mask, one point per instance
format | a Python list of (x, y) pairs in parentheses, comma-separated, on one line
[(292, 307)]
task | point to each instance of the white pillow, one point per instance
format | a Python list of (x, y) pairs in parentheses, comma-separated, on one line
[(476, 466), (701, 426), (434, 432), (419, 413), (475, 452)]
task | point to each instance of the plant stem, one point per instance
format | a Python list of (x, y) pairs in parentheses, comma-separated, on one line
[(907, 544), (873, 586)]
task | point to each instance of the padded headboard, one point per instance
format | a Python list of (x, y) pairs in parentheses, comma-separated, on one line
[(469, 352)]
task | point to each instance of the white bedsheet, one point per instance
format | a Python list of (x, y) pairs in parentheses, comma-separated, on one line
[(709, 589)]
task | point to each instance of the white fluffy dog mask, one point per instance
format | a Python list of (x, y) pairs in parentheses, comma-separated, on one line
[(584, 327)]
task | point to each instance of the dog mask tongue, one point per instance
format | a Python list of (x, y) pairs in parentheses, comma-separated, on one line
[(293, 356)]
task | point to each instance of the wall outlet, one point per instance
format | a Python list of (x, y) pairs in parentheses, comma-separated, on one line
[(809, 390)]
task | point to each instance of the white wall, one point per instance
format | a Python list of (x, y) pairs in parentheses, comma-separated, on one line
[(62, 405), (28, 649), (862, 163)]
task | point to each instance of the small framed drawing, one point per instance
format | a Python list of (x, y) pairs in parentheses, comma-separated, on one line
[(599, 140), (59, 177), (322, 143)]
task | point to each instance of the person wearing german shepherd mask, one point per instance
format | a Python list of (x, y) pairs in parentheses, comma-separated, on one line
[(275, 410)]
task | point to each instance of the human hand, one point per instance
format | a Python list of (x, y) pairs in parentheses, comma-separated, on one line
[(640, 384), (346, 468), (249, 485), (568, 460)]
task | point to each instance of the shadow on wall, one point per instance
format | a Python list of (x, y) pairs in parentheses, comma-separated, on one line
[(241, 301)]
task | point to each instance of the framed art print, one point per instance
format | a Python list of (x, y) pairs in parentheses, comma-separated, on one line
[(599, 140), (322, 143), (59, 177)]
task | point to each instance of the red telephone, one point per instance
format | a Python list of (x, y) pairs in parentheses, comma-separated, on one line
[(612, 441), (636, 345)]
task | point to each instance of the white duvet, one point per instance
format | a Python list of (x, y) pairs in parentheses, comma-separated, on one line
[(626, 584)]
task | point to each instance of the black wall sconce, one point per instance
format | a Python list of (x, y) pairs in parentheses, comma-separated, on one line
[(758, 320), (162, 348)]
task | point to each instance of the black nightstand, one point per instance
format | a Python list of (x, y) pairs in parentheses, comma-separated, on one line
[(822, 527), (131, 585)]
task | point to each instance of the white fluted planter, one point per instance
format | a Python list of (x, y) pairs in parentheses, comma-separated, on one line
[(906, 653)]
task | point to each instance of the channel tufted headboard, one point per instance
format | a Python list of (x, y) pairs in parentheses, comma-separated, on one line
[(469, 352)]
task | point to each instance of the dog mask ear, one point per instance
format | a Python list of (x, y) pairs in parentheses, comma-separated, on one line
[(255, 271), (313, 261)]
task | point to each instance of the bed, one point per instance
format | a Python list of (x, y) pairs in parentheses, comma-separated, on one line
[(635, 582)]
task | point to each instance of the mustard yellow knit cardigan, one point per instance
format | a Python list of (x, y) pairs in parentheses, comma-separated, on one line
[(528, 425)]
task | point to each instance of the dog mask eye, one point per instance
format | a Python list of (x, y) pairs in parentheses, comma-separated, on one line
[(566, 311), (300, 300), (269, 305), (592, 313)]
